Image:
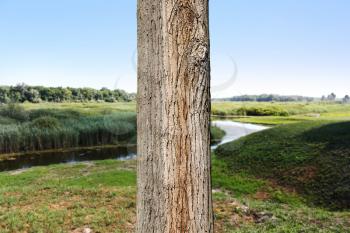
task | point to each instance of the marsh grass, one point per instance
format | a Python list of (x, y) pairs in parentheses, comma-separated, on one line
[(68, 126), (277, 108), (44, 129)]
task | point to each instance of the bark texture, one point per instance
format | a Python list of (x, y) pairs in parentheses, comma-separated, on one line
[(174, 188)]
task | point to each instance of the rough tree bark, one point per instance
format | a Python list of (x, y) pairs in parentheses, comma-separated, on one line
[(174, 187)]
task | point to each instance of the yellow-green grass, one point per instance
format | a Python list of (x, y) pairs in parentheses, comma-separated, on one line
[(87, 108), (292, 108), (297, 111), (276, 120)]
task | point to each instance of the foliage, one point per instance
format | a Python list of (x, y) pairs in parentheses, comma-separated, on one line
[(216, 134), (35, 94), (261, 111), (331, 97), (268, 98), (45, 122), (14, 111)]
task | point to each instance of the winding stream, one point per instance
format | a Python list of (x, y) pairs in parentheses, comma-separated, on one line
[(236, 130), (233, 130)]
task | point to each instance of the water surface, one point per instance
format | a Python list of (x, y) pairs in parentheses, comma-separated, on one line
[(233, 130), (236, 130), (27, 160)]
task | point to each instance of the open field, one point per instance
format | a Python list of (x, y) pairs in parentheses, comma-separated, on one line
[(86, 108), (277, 108), (271, 113)]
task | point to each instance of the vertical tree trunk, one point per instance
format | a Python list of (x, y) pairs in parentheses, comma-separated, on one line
[(174, 188)]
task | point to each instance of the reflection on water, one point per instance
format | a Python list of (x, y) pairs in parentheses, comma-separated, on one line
[(46, 158), (235, 130)]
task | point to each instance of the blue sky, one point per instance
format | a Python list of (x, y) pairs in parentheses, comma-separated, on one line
[(279, 46)]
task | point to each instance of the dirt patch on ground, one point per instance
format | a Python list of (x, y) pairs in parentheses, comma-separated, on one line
[(306, 173), (233, 214), (261, 195), (82, 230)]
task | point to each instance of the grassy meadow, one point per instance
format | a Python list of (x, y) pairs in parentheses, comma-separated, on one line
[(101, 196), (275, 113), (290, 178)]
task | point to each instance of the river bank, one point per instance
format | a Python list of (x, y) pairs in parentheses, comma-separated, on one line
[(228, 131)]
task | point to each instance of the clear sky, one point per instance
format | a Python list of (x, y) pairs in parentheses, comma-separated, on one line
[(279, 46)]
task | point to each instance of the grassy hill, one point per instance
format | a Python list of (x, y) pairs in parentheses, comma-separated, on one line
[(311, 157), (101, 196)]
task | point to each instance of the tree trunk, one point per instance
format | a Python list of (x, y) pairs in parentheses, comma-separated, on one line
[(174, 187)]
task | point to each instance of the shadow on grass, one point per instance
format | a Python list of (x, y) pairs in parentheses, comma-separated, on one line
[(311, 157), (333, 135), (332, 180)]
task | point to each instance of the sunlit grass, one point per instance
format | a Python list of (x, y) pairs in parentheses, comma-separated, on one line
[(102, 196)]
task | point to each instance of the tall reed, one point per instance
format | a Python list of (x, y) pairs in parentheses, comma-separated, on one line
[(54, 130)]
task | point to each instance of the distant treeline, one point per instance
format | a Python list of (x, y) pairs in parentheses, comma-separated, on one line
[(36, 94), (268, 98)]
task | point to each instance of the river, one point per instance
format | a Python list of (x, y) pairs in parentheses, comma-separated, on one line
[(233, 130), (236, 130)]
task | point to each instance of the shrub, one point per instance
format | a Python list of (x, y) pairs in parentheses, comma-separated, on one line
[(56, 113), (262, 111), (216, 134), (14, 111), (46, 123)]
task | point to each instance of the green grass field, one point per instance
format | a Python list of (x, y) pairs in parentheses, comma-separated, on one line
[(272, 113), (86, 108), (278, 108), (101, 196), (291, 178)]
